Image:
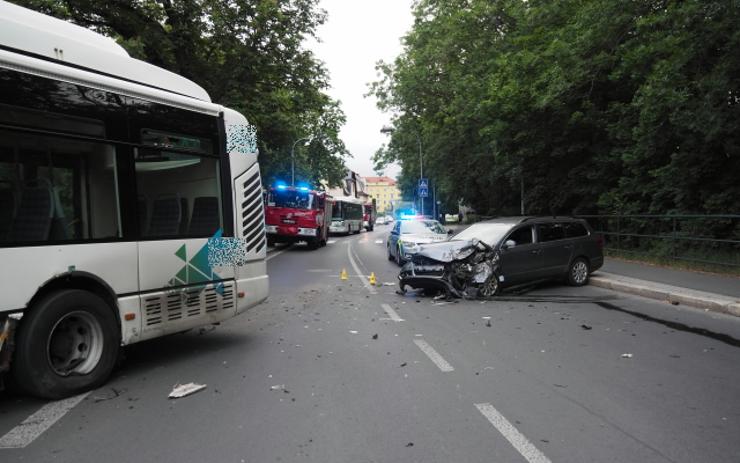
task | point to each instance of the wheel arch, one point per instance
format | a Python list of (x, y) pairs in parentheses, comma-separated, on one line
[(82, 280), (580, 256)]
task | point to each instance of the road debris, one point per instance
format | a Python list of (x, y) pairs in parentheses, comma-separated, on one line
[(586, 327), (626, 356), (375, 336), (182, 390), (114, 393), (404, 364), (353, 331)]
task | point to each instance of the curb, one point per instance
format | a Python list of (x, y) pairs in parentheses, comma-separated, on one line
[(673, 294)]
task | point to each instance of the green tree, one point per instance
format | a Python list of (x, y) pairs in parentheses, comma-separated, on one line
[(599, 106), (247, 54)]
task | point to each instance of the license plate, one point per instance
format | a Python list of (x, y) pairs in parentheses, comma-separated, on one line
[(288, 221)]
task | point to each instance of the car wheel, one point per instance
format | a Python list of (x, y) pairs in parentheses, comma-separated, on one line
[(490, 288), (578, 272), (399, 259), (66, 344), (390, 256)]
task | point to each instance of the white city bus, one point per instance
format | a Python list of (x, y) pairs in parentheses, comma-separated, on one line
[(130, 205), (346, 215)]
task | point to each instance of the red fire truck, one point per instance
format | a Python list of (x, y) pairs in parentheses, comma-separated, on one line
[(297, 214), (369, 214)]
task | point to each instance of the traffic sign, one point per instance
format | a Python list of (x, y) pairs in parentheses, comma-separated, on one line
[(423, 192), (424, 183)]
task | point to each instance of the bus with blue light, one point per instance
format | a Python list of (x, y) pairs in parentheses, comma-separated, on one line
[(297, 214)]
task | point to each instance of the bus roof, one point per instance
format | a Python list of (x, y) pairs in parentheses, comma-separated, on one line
[(51, 38)]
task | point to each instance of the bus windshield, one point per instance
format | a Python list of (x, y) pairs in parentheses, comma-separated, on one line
[(290, 198)]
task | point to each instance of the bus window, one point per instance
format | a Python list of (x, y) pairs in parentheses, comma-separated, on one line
[(59, 189), (178, 194)]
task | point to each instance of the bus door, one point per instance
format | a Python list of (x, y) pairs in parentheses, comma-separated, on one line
[(180, 214)]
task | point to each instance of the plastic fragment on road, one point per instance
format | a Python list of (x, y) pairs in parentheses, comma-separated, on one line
[(182, 390), (626, 356), (389, 283), (353, 331), (586, 327), (277, 387)]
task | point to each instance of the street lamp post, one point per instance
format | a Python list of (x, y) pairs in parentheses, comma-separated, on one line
[(421, 160), (292, 158)]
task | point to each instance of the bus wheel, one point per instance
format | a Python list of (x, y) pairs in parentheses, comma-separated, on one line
[(270, 241), (66, 344)]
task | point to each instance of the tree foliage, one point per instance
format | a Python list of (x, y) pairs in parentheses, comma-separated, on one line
[(247, 54), (599, 106)]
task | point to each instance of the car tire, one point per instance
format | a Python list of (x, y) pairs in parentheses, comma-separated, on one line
[(578, 272), (399, 260), (313, 243), (67, 343), (490, 288), (390, 256)]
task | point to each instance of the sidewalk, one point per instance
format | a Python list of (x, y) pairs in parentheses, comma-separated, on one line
[(718, 293)]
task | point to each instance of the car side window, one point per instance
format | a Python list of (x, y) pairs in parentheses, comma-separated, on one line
[(521, 236), (575, 230), (397, 228), (550, 232)]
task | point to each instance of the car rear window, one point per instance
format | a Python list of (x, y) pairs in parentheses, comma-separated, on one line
[(575, 230)]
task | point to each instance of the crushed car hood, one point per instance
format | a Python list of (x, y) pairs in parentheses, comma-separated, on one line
[(443, 252)]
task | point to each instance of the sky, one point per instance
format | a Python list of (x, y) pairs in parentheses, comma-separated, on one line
[(356, 35)]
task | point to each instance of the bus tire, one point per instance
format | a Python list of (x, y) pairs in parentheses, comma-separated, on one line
[(67, 343)]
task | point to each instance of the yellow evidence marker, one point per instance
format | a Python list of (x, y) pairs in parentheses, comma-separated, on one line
[(343, 274), (373, 281)]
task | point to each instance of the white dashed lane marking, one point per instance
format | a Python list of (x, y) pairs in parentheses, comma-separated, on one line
[(434, 355), (359, 271), (274, 254), (531, 453), (35, 425), (391, 313)]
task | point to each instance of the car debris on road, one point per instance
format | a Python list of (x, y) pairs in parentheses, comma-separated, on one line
[(182, 390)]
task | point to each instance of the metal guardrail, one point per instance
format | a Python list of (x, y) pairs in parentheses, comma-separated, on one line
[(705, 239)]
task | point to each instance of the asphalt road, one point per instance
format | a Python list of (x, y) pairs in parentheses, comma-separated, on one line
[(338, 371)]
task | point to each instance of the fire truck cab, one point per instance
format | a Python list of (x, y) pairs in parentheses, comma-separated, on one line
[(294, 214)]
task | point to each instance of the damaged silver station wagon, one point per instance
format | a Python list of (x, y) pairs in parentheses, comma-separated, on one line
[(488, 256)]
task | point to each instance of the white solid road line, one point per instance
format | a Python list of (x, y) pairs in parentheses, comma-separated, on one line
[(434, 355), (512, 434), (277, 253), (391, 313), (35, 425), (358, 271)]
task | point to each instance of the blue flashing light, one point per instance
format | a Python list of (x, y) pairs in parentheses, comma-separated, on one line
[(280, 186), (303, 188)]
